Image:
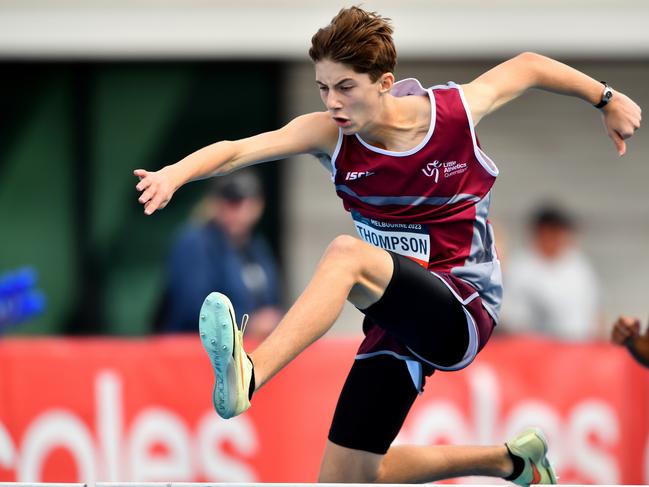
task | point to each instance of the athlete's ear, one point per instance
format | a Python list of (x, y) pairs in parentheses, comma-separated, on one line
[(386, 81)]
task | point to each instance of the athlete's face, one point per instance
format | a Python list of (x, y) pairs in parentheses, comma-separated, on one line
[(352, 99)]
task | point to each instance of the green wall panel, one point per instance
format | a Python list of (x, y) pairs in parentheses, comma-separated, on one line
[(35, 216), (67, 200)]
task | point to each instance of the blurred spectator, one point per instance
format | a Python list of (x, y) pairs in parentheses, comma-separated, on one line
[(224, 254), (550, 287), (626, 331)]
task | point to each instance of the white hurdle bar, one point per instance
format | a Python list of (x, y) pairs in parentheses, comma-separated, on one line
[(245, 484)]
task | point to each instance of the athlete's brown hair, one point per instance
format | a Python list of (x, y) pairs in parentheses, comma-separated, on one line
[(359, 39)]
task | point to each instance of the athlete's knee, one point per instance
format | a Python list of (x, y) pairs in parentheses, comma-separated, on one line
[(350, 474), (344, 248), (340, 464)]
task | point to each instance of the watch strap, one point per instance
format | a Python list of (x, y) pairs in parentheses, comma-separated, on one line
[(607, 94)]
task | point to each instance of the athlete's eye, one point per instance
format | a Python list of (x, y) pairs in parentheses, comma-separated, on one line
[(345, 88), (322, 88)]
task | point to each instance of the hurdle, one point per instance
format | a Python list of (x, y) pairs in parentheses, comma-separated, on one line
[(252, 484)]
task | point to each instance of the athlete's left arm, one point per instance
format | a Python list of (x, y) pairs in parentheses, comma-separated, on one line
[(509, 80)]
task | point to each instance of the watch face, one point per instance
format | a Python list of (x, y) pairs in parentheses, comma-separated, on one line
[(608, 94)]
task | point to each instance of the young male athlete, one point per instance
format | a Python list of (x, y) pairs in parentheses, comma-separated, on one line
[(406, 163)]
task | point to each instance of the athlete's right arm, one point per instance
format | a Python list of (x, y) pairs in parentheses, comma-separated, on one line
[(307, 134)]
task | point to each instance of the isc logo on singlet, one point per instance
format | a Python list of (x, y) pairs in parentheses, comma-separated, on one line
[(352, 175)]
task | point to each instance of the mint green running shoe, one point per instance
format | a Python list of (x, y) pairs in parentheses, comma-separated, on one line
[(531, 446), (223, 342)]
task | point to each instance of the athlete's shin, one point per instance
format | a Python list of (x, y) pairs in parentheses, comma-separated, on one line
[(310, 317), (419, 464)]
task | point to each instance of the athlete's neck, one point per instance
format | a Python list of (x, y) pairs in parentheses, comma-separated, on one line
[(402, 123)]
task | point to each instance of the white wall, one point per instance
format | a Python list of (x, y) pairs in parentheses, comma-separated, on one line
[(281, 28)]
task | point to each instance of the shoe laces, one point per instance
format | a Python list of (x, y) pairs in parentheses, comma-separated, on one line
[(244, 322)]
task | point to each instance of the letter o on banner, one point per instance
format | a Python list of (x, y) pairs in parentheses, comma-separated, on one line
[(7, 449), (56, 428), (158, 426)]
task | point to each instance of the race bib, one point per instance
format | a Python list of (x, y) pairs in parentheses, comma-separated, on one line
[(408, 239)]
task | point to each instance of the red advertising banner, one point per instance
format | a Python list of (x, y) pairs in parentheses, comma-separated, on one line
[(140, 410)]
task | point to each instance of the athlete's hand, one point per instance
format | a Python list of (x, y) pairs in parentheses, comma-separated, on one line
[(625, 328), (157, 188), (621, 117)]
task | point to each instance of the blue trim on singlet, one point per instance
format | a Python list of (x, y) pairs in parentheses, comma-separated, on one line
[(412, 363), (408, 200), (482, 268)]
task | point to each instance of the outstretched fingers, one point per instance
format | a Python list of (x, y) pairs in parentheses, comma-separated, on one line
[(140, 173), (147, 195), (156, 188), (158, 202), (150, 207), (143, 184)]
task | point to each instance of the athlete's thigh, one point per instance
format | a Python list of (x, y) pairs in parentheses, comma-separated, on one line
[(373, 404), (420, 311)]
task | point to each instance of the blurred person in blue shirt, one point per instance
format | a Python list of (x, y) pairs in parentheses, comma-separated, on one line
[(223, 253)]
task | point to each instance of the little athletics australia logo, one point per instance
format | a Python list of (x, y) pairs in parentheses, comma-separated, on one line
[(448, 169)]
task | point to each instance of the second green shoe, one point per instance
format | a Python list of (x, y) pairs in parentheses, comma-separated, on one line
[(532, 448)]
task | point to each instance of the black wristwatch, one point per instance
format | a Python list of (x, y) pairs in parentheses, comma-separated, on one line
[(607, 94)]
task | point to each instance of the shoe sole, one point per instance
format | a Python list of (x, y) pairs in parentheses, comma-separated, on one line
[(216, 326)]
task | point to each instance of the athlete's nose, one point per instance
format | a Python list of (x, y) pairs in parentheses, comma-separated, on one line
[(332, 102)]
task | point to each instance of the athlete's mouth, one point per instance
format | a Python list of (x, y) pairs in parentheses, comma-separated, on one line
[(342, 122)]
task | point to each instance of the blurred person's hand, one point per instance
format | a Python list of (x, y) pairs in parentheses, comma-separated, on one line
[(157, 188), (624, 328), (626, 331), (621, 117)]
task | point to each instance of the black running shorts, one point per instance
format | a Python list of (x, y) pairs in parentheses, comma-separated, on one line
[(420, 312)]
